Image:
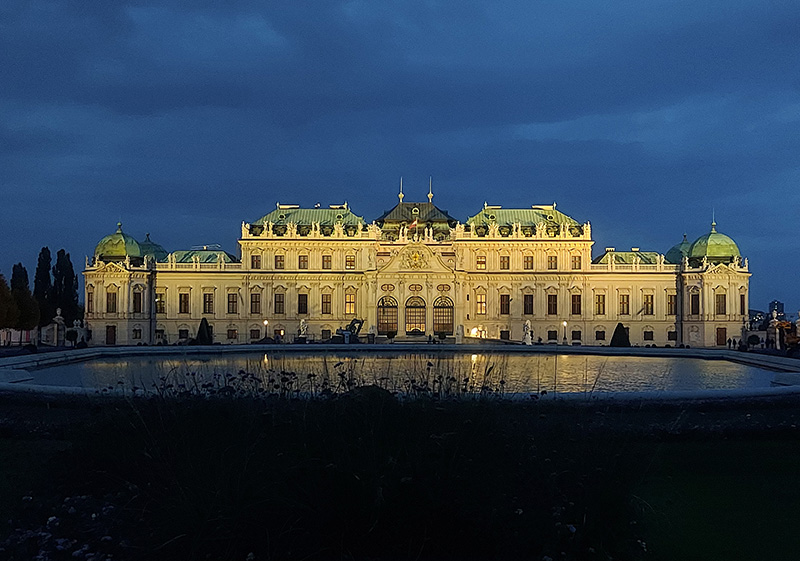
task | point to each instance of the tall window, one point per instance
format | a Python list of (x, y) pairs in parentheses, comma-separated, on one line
[(443, 316), (233, 303), (694, 304), (326, 304), (552, 262), (279, 300), (599, 304), (255, 303), (480, 262), (552, 304), (480, 304), (302, 303), (672, 304), (89, 301), (208, 303), (161, 303), (387, 315), (137, 301), (505, 262), (647, 304), (721, 306), (350, 262), (527, 262), (576, 262), (415, 315), (255, 261), (576, 304), (111, 302), (183, 303), (505, 304), (742, 304), (302, 261), (527, 304), (326, 261), (279, 262), (233, 333), (624, 304), (350, 303)]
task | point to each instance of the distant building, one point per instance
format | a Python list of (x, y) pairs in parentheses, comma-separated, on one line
[(777, 306), (415, 271)]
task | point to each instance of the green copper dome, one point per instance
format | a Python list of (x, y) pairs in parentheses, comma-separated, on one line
[(118, 246), (678, 251), (154, 250), (714, 246)]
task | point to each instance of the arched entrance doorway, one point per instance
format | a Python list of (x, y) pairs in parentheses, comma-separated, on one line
[(443, 316), (415, 316), (387, 316)]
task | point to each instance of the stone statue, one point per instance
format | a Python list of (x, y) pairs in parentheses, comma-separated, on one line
[(303, 327), (527, 337)]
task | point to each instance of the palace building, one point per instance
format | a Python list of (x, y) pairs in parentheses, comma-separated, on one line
[(413, 272)]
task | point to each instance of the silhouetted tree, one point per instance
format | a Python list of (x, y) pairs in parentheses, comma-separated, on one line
[(8, 308), (620, 337), (43, 287), (65, 288), (28, 309), (204, 334)]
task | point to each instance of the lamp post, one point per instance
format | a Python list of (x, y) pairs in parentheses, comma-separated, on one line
[(564, 323), (266, 323)]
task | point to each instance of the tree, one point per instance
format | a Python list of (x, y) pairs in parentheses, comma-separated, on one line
[(43, 288), (620, 337), (8, 308), (204, 334), (28, 309), (65, 288)]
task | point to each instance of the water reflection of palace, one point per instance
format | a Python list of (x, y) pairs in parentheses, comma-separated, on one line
[(413, 272)]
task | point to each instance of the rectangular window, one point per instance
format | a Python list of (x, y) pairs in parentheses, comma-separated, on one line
[(576, 335), (742, 304), (136, 333), (600, 335), (160, 334), (302, 303), (161, 303), (255, 261), (137, 302), (302, 262), (552, 335), (208, 303), (233, 334), (326, 334), (576, 262), (672, 304), (624, 304), (647, 335), (672, 335), (326, 261), (527, 304), (480, 262), (255, 334), (233, 303), (721, 307), (279, 302), (505, 335), (183, 303), (552, 304), (326, 304), (350, 262), (647, 304), (694, 302), (111, 302), (183, 334), (599, 304), (527, 262), (552, 262), (505, 262), (505, 304), (576, 304), (255, 303), (279, 262), (480, 304), (350, 303), (89, 301)]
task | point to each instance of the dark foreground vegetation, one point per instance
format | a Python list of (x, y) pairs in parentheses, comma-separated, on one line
[(362, 476)]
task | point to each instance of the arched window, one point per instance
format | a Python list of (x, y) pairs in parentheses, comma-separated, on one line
[(387, 315), (415, 316), (443, 315)]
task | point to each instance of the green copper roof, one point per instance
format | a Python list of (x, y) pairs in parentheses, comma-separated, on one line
[(526, 217), (678, 251), (628, 257), (117, 246), (204, 255), (154, 250), (714, 246), (307, 216)]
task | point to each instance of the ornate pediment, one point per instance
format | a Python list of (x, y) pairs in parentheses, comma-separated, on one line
[(415, 257), (111, 268)]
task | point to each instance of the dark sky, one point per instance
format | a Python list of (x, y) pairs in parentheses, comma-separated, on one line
[(185, 118)]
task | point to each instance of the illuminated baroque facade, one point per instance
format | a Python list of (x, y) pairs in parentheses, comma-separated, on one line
[(416, 272)]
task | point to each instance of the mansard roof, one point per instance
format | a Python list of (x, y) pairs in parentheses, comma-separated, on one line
[(425, 212), (204, 256), (548, 214), (286, 214), (628, 257)]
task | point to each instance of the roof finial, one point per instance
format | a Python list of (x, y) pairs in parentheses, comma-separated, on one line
[(713, 220), (400, 195), (119, 226), (430, 189)]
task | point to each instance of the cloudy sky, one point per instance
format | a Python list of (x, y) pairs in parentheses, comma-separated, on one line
[(185, 118)]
